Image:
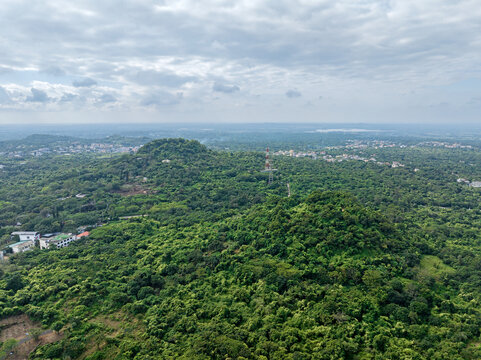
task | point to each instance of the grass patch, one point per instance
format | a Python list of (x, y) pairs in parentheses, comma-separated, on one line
[(434, 267), (7, 346)]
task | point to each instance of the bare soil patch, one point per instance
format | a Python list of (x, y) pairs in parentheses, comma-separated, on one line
[(23, 349), (18, 328), (131, 190)]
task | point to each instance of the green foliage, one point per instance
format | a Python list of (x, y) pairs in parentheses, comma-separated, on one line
[(175, 149), (318, 278), (7, 346), (385, 265)]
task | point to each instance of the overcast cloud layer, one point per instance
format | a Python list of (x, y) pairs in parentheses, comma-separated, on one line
[(219, 60)]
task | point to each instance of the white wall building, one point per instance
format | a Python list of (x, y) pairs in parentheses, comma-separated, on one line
[(22, 246), (27, 235), (56, 240)]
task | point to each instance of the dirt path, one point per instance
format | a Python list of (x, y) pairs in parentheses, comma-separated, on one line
[(26, 345), (18, 328)]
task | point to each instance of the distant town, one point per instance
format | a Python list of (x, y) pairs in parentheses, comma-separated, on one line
[(70, 149), (322, 155), (364, 145)]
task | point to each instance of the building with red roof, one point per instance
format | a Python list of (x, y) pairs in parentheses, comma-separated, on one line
[(84, 234)]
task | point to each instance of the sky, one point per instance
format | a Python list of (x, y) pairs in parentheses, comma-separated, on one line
[(399, 61)]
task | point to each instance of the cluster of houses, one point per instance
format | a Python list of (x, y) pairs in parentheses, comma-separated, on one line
[(336, 158), (30, 239), (475, 184), (19, 151)]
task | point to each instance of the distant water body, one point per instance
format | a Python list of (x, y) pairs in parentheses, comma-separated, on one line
[(347, 130)]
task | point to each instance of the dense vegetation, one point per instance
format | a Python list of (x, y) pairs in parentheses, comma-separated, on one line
[(362, 262)]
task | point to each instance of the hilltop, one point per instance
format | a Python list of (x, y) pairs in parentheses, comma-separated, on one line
[(175, 149)]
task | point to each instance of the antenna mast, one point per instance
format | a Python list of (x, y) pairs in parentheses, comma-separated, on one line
[(268, 168)]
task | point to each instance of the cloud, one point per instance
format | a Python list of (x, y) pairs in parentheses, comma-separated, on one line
[(4, 97), (160, 78), (224, 88), (38, 95), (106, 98), (70, 98), (5, 70), (293, 94), (87, 82), (162, 98), (474, 101), (54, 70), (441, 105), (357, 54)]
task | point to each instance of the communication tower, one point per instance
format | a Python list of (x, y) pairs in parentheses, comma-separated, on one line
[(268, 168)]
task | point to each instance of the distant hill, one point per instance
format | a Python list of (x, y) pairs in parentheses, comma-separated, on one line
[(38, 140), (175, 149)]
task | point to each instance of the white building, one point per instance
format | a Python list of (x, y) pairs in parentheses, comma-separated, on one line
[(22, 246), (48, 241), (27, 235)]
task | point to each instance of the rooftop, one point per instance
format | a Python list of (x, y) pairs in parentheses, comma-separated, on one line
[(20, 243), (49, 235), (61, 237)]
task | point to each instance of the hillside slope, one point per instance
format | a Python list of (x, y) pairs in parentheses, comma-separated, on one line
[(321, 278)]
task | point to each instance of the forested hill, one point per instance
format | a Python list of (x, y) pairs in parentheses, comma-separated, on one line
[(164, 177), (168, 149), (220, 264), (322, 278)]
